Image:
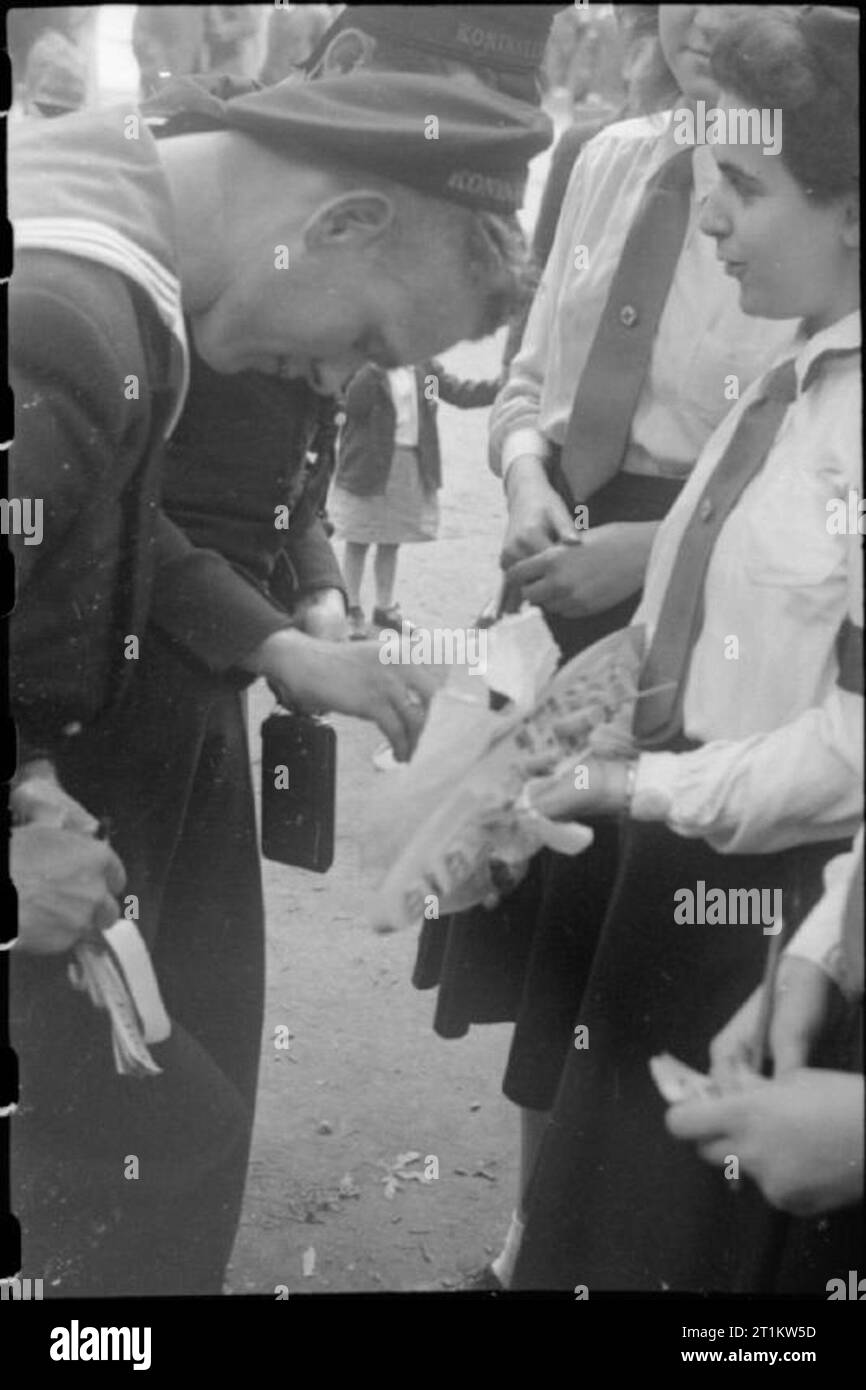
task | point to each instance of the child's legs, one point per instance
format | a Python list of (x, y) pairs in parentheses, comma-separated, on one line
[(353, 570), (385, 574), (533, 1124)]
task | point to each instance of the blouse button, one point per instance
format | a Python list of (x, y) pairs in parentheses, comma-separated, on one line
[(706, 509), (628, 316)]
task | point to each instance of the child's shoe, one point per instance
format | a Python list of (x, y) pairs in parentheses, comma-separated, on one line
[(358, 630), (384, 618)]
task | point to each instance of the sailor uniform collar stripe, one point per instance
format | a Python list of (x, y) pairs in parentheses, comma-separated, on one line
[(96, 241)]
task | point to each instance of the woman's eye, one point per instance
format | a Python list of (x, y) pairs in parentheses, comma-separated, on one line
[(737, 186)]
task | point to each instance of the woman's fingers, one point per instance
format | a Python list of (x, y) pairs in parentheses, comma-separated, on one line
[(555, 798), (532, 568)]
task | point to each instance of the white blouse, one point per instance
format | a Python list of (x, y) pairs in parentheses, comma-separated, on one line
[(783, 757), (404, 393), (702, 337)]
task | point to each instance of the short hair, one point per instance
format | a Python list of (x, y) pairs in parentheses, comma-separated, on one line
[(767, 58), (496, 251), (488, 247)]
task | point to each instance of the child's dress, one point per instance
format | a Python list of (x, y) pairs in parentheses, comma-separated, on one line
[(392, 505), (389, 468)]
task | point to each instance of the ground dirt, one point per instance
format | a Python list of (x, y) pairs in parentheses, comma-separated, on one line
[(365, 1079)]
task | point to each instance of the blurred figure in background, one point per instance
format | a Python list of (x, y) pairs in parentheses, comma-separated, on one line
[(32, 35), (55, 79), (173, 40), (234, 36), (292, 34), (167, 40)]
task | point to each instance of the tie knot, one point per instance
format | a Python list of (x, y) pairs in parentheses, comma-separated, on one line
[(781, 384)]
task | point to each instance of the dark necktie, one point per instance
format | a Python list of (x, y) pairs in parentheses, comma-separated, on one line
[(658, 716), (601, 416)]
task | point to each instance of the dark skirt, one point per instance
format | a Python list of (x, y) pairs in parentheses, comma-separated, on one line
[(171, 773), (526, 960), (614, 1202)]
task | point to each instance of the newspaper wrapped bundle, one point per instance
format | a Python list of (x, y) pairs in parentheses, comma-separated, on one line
[(115, 970), (458, 828)]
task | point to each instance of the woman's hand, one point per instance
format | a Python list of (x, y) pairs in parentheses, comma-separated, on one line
[(537, 515), (349, 678), (799, 1137), (574, 580), (599, 787), (803, 998)]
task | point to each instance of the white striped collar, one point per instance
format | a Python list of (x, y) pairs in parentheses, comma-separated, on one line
[(96, 241)]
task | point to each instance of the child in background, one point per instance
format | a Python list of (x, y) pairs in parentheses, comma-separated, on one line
[(388, 473)]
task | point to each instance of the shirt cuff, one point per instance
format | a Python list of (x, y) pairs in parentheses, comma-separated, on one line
[(654, 784), (820, 938), (521, 442), (828, 956)]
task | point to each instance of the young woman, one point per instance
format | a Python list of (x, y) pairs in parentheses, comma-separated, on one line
[(750, 606), (528, 961)]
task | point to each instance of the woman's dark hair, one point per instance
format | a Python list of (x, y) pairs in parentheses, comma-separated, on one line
[(803, 63)]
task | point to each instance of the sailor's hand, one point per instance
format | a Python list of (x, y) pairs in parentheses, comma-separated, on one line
[(67, 886), (350, 678), (37, 797)]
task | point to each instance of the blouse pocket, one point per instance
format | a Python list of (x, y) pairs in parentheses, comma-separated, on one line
[(791, 546)]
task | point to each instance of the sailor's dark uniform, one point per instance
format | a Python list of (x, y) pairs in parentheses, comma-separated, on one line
[(99, 366)]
